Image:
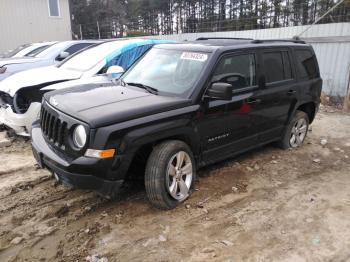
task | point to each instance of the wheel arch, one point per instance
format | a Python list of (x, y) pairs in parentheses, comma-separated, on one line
[(309, 108), (147, 146), (143, 145)]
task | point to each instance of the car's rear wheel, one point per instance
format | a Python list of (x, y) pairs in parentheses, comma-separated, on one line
[(170, 174), (296, 131)]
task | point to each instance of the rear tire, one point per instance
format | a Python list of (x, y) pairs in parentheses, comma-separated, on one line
[(296, 131), (170, 174)]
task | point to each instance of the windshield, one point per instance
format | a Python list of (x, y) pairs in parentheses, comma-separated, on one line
[(51, 50), (37, 50), (14, 52), (172, 72), (89, 58)]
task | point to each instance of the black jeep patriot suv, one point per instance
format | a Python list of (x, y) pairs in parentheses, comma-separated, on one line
[(180, 107)]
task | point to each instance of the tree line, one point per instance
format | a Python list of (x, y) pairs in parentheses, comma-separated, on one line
[(117, 18)]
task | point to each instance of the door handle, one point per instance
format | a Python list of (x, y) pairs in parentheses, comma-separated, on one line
[(254, 101), (291, 92)]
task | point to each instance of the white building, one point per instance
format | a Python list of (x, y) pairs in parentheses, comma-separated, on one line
[(28, 21)]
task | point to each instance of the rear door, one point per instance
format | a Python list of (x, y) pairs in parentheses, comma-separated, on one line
[(278, 97)]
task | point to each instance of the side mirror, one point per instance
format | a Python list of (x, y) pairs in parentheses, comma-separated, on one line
[(114, 72), (63, 55), (221, 91)]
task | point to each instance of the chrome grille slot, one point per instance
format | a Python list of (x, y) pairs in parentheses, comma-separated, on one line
[(52, 127)]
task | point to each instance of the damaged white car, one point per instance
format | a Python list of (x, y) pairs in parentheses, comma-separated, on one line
[(21, 93)]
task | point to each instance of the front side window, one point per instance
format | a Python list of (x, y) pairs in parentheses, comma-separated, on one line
[(172, 72), (54, 8), (306, 63), (127, 58), (237, 70)]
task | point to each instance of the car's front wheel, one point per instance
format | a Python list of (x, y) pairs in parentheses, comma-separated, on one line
[(296, 131), (170, 174)]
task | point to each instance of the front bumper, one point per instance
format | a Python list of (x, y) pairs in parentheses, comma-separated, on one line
[(20, 123), (48, 158)]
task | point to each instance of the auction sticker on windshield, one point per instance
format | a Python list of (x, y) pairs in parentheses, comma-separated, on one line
[(194, 56)]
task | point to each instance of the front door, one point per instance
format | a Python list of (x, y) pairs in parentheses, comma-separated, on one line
[(225, 127)]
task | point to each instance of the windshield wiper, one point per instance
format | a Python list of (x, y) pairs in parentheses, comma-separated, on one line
[(149, 89)]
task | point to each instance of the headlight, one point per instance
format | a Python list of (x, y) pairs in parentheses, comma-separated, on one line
[(79, 136)]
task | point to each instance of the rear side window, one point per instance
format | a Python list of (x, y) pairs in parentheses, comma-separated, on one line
[(237, 70), (306, 63), (287, 66), (127, 58), (277, 66)]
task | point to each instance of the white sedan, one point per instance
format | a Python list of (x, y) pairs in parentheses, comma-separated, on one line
[(49, 56), (26, 50)]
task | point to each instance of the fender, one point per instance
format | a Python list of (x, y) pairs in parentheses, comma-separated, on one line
[(297, 105), (112, 134), (307, 96), (134, 134), (180, 128)]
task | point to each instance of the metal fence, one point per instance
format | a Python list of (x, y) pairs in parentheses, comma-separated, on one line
[(330, 38), (233, 16), (331, 43)]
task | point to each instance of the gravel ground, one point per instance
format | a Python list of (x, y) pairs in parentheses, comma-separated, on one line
[(266, 205)]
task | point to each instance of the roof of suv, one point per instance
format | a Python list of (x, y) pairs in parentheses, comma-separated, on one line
[(212, 44)]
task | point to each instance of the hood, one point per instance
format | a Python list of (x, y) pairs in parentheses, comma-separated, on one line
[(38, 76), (96, 79), (18, 60), (101, 105)]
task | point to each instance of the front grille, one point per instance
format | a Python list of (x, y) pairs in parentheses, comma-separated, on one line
[(52, 127)]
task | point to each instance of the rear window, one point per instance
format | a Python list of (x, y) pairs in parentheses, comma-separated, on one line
[(277, 66), (306, 64)]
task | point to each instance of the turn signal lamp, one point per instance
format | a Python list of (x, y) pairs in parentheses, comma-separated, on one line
[(107, 153)]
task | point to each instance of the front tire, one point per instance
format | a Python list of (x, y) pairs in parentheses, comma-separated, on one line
[(170, 174), (296, 131)]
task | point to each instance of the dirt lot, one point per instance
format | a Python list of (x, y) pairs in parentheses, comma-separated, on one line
[(268, 205)]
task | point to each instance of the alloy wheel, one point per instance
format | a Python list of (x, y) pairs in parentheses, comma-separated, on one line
[(179, 175), (298, 133)]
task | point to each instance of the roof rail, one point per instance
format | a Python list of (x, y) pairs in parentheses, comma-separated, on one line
[(295, 40), (222, 38)]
